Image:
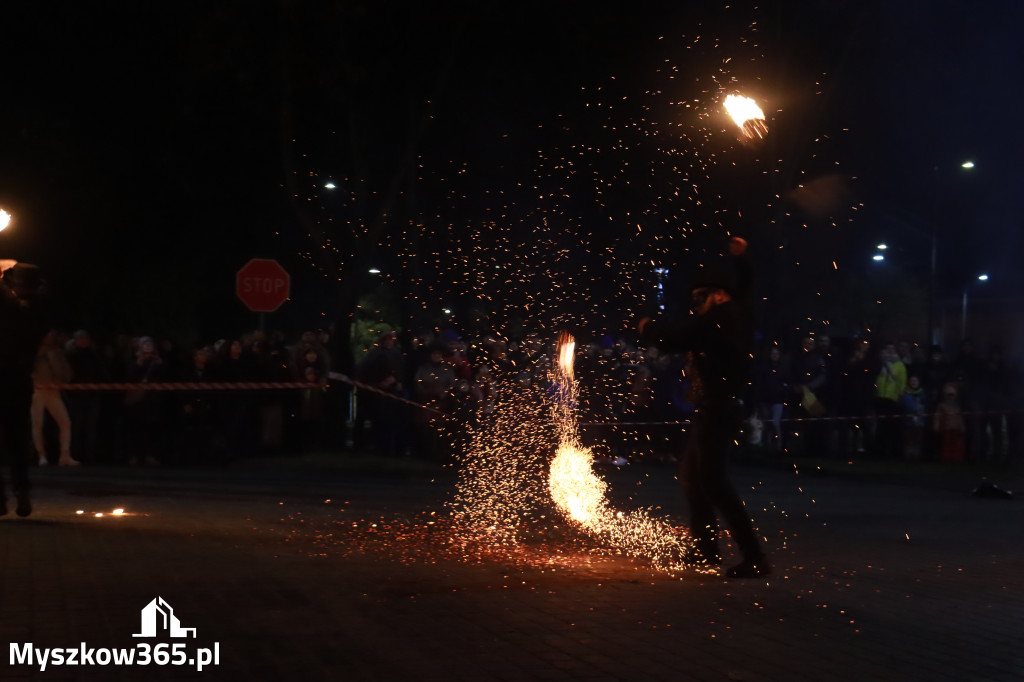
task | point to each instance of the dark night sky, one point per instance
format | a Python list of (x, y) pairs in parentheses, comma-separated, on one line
[(145, 149)]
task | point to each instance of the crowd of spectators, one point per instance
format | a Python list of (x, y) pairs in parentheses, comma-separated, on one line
[(896, 401), (816, 398), (150, 427)]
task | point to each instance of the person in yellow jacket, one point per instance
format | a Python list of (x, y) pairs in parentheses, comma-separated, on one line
[(890, 385)]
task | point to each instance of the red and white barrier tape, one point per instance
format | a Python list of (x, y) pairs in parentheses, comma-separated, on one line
[(794, 420), (224, 386), (373, 389), (179, 386)]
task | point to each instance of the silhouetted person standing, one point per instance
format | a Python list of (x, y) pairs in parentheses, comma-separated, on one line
[(23, 325), (719, 339)]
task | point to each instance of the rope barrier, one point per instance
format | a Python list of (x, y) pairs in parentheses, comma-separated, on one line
[(337, 376), (794, 420), (179, 386), (226, 386)]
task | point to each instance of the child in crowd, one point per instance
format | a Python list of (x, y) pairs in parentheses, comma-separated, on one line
[(949, 423), (912, 402)]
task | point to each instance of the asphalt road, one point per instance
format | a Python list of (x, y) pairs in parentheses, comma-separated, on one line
[(283, 573)]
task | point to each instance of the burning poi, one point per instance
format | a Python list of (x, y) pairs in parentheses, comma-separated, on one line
[(747, 115)]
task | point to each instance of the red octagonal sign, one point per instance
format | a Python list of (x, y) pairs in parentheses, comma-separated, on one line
[(263, 285)]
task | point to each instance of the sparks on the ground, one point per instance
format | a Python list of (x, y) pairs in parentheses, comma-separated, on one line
[(580, 494)]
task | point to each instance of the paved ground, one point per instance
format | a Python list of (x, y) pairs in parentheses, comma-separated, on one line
[(874, 580)]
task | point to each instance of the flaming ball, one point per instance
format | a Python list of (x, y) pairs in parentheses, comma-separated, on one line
[(747, 115)]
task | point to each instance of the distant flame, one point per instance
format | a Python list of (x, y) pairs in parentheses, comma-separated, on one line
[(566, 354), (747, 115)]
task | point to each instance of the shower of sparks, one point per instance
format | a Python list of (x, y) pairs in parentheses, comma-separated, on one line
[(747, 115), (580, 494), (498, 496), (503, 249)]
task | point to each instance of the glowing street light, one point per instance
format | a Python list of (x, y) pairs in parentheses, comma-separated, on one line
[(878, 257), (374, 271), (5, 219), (933, 269), (882, 247), (963, 310), (329, 185)]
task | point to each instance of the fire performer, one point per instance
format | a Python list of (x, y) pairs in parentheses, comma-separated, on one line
[(718, 339), (22, 328)]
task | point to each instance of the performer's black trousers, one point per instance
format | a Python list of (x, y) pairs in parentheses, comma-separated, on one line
[(15, 443), (702, 472)]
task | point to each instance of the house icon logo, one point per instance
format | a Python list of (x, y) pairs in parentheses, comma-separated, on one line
[(158, 618)]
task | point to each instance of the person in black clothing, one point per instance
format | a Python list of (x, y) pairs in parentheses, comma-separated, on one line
[(87, 367), (718, 339), (772, 388), (23, 324), (144, 411), (382, 368), (854, 401), (194, 426), (811, 373)]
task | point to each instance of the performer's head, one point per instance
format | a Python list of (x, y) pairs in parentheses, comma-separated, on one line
[(706, 298), (24, 279), (709, 288)]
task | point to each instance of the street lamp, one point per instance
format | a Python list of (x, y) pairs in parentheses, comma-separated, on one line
[(963, 308), (5, 219), (967, 165)]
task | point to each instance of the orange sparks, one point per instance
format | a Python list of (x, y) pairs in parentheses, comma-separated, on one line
[(579, 493)]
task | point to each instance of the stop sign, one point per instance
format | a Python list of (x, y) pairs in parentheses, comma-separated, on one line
[(263, 285)]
